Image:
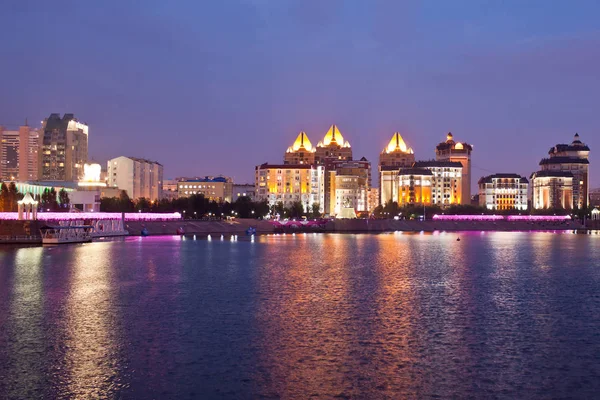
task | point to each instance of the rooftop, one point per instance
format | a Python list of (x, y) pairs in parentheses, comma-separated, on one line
[(443, 164), (490, 178), (552, 174), (564, 160), (397, 144)]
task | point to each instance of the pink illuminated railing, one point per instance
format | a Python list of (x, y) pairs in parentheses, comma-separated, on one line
[(291, 223), (57, 216), (529, 218)]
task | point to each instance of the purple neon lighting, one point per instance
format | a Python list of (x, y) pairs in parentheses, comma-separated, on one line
[(57, 216), (529, 218)]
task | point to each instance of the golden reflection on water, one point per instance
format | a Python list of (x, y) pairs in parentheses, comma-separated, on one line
[(306, 346), (26, 318), (91, 359)]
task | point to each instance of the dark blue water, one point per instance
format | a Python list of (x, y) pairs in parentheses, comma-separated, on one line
[(496, 315)]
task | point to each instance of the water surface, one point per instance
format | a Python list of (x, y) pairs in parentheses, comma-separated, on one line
[(495, 315)]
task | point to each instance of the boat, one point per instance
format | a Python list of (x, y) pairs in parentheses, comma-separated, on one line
[(66, 234)]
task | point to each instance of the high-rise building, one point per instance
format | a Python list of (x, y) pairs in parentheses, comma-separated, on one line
[(572, 158), (64, 148), (503, 192), (457, 152), (219, 189), (347, 185), (333, 147), (137, 176), (289, 183), (394, 156), (19, 154), (434, 182), (552, 189), (301, 152)]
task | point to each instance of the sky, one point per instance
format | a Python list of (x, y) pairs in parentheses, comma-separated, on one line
[(217, 87)]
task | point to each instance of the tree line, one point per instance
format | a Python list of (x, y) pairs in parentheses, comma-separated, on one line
[(49, 200)]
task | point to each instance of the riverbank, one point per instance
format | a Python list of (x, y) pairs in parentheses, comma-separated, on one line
[(239, 226)]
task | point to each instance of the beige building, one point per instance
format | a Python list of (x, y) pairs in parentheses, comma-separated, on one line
[(347, 182), (397, 153), (288, 183), (503, 192), (63, 148), (372, 199), (137, 176), (414, 186), (457, 152), (301, 152), (447, 182), (219, 189), (572, 158), (19, 154), (552, 189), (170, 190)]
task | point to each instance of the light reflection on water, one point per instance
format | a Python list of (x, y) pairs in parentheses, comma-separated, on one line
[(292, 316)]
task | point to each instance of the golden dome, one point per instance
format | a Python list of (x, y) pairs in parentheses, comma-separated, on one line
[(334, 136), (398, 144), (301, 142)]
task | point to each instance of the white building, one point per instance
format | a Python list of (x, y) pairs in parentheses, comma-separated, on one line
[(503, 192), (243, 190), (137, 176)]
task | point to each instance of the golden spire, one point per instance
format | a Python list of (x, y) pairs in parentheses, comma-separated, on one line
[(301, 142), (334, 135), (397, 144)]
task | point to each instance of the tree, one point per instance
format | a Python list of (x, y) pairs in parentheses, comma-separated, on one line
[(125, 203), (143, 204), (63, 198), (13, 197), (296, 209), (278, 209), (48, 201), (4, 202), (315, 210)]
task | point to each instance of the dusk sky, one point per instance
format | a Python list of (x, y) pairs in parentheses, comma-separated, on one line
[(217, 87)]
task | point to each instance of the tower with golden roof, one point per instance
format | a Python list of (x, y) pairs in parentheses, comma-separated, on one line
[(450, 150), (394, 156), (333, 147), (301, 152)]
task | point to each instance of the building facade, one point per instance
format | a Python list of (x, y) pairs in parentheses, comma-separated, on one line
[(414, 186), (301, 152), (457, 152), (219, 189), (552, 189), (394, 156), (64, 148), (243, 190), (19, 154), (503, 192), (170, 190), (288, 183), (137, 176)]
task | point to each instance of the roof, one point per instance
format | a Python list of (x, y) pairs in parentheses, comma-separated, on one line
[(397, 144), (551, 174), (209, 179), (334, 136), (144, 160), (414, 171), (489, 178), (443, 164), (301, 142), (283, 166), (451, 144), (564, 160)]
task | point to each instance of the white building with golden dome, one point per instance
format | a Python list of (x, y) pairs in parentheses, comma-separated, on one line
[(301, 152), (394, 156), (453, 151)]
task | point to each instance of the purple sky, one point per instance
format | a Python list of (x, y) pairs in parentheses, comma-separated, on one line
[(216, 87)]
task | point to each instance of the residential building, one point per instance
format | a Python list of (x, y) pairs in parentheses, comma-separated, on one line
[(243, 190), (394, 156), (457, 152), (137, 176), (415, 186), (64, 148), (571, 158), (301, 152), (347, 185), (170, 189), (333, 147), (289, 183), (219, 189), (552, 189), (372, 199), (19, 154), (595, 197), (503, 192), (447, 182)]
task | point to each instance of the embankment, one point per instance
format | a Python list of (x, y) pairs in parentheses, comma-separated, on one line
[(239, 226)]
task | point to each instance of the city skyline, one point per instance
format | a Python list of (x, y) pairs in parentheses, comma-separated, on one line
[(511, 83)]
